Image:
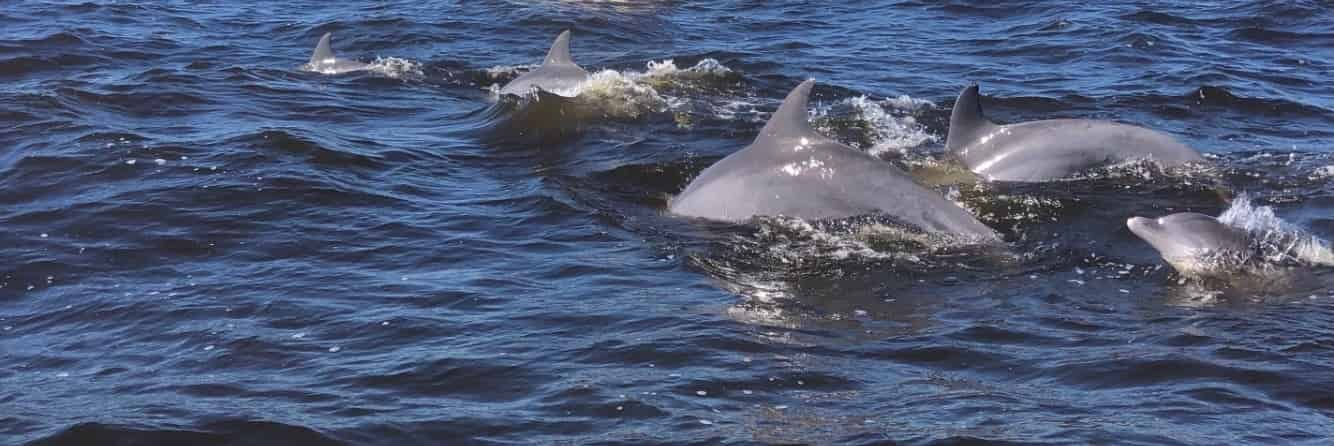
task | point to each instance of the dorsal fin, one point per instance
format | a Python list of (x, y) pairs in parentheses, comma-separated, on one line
[(322, 50), (791, 118), (966, 121), (560, 50)]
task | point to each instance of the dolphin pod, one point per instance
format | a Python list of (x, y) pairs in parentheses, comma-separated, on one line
[(792, 170), (1051, 149)]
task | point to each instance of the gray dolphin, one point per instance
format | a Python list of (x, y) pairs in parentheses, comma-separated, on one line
[(323, 60), (1194, 244), (793, 171), (558, 74), (1051, 149)]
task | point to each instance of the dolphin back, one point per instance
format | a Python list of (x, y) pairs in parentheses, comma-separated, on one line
[(558, 74), (792, 170)]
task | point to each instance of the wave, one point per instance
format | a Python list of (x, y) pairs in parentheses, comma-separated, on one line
[(216, 433)]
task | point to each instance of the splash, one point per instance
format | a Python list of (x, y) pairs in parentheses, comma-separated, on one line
[(886, 126), (631, 94), (1149, 170), (1275, 241), (618, 95), (397, 68), (392, 67), (1323, 172)]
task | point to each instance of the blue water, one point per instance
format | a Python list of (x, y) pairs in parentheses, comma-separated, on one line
[(204, 244)]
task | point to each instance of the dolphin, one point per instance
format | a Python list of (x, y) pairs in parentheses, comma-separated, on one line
[(1194, 244), (558, 74), (323, 60), (1051, 149), (790, 170)]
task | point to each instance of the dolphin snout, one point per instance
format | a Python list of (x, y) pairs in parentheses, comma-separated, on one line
[(1138, 224)]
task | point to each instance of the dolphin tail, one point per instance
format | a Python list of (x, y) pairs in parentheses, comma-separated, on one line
[(322, 50), (791, 118), (966, 121), (560, 50)]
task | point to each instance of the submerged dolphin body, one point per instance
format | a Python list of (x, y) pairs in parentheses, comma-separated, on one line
[(323, 60), (558, 74), (1051, 149), (791, 170)]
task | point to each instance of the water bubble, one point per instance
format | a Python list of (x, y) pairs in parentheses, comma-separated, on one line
[(160, 161), (335, 349), (701, 393), (706, 422), (208, 347)]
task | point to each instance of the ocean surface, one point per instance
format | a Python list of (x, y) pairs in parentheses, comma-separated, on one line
[(202, 243)]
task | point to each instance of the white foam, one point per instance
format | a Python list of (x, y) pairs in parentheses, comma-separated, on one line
[(397, 68), (891, 126), (1323, 172), (1277, 241)]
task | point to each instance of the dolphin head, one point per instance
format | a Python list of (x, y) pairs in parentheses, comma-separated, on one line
[(1194, 244)]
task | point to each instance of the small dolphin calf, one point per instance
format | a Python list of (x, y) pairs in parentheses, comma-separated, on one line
[(558, 74), (323, 60), (1245, 239), (1194, 244), (1051, 149), (791, 170)]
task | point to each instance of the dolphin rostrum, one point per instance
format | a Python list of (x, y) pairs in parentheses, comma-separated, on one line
[(558, 74), (323, 60), (790, 170), (1051, 149)]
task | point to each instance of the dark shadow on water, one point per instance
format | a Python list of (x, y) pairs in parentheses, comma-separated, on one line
[(540, 120)]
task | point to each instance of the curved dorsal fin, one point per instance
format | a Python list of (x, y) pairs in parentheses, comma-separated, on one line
[(322, 50), (966, 121), (791, 118), (560, 50)]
